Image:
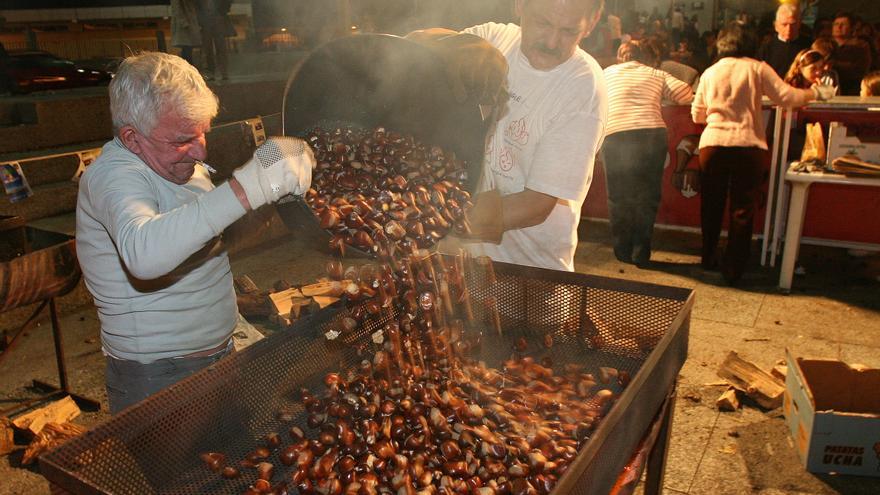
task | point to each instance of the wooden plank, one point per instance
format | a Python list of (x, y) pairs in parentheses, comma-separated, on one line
[(330, 288), (324, 301), (6, 436), (728, 401), (283, 321), (296, 306), (779, 371), (61, 411), (287, 305), (53, 435), (745, 376), (245, 285), (254, 305), (282, 301)]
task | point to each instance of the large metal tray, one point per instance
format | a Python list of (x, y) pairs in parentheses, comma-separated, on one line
[(154, 446)]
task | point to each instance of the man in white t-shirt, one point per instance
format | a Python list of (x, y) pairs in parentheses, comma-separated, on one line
[(539, 157)]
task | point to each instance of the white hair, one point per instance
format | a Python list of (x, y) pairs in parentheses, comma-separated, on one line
[(787, 9), (150, 83)]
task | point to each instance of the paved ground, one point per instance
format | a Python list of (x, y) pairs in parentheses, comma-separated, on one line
[(834, 311)]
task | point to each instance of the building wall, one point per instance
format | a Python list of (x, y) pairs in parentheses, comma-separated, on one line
[(316, 20), (35, 11)]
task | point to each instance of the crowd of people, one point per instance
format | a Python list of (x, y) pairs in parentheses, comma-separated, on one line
[(730, 72), (841, 46)]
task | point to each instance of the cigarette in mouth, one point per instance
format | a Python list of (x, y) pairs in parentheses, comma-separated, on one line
[(211, 170)]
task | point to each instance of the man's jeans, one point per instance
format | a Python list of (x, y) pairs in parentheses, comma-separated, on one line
[(129, 382)]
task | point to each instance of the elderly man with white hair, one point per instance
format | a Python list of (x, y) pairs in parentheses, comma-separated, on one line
[(148, 226), (779, 51)]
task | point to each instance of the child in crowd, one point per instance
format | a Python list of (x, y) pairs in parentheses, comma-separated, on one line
[(808, 68), (871, 85)]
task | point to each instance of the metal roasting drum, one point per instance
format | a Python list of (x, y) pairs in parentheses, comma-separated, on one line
[(154, 447), (368, 81)]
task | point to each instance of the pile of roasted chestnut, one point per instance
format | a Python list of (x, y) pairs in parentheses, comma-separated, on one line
[(418, 415), (377, 190)]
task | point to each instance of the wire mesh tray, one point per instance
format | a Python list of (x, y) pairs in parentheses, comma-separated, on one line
[(154, 446)]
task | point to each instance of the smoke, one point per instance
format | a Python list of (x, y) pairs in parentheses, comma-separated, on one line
[(459, 14), (402, 16), (318, 21)]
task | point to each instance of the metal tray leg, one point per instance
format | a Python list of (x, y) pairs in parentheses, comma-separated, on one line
[(656, 469)]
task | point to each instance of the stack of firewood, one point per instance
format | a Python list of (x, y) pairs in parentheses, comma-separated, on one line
[(744, 378), (286, 304), (48, 426), (51, 436)]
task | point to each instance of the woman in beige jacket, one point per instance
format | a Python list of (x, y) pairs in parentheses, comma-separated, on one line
[(733, 150)]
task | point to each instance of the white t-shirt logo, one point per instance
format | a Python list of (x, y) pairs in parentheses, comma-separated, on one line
[(505, 161), (518, 132)]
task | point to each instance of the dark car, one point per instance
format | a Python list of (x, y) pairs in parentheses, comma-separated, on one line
[(106, 64), (29, 70)]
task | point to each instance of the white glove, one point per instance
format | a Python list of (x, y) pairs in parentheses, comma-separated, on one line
[(824, 92), (280, 166)]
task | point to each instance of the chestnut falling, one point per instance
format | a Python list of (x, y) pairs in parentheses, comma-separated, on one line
[(418, 416), (382, 191)]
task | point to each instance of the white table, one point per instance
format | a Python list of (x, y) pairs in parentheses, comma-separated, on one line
[(843, 108), (800, 187)]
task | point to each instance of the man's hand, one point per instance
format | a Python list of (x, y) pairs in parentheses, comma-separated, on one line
[(477, 70), (484, 221), (280, 166), (494, 214)]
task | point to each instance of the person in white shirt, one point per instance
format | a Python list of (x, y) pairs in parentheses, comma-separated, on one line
[(148, 226), (636, 146), (539, 157)]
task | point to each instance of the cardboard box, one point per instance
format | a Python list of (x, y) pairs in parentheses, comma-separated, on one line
[(843, 141), (833, 412)]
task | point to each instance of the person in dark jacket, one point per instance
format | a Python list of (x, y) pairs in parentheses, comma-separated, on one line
[(779, 52), (186, 33), (852, 57), (213, 19)]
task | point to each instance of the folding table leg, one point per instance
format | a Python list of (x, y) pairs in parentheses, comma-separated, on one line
[(799, 194), (771, 197)]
